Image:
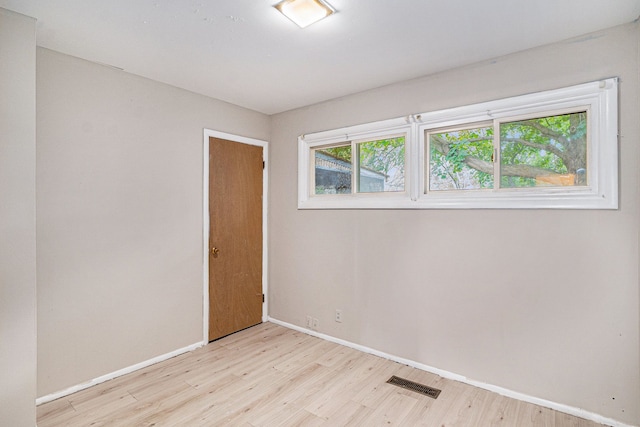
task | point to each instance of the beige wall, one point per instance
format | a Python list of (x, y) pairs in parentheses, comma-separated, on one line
[(542, 302), (17, 220), (119, 194)]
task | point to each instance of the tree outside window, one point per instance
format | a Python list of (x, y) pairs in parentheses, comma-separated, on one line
[(544, 151)]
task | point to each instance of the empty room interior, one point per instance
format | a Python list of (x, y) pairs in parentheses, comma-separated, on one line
[(214, 215)]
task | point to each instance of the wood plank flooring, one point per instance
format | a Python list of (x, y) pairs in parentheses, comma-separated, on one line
[(273, 376)]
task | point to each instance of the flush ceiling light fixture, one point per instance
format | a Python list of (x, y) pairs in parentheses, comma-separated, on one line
[(305, 12)]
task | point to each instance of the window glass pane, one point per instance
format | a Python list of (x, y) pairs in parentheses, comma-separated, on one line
[(333, 170), (546, 151), (381, 166), (461, 159)]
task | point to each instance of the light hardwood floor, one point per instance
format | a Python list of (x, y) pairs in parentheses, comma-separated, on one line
[(273, 376)]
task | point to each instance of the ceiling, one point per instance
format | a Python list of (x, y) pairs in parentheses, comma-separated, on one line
[(246, 53)]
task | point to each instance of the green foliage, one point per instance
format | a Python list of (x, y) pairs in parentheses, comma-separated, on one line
[(381, 155), (545, 146), (343, 152), (456, 156), (385, 156), (449, 169), (554, 143)]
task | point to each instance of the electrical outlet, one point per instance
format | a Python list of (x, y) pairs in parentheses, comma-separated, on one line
[(315, 323), (309, 321), (338, 315)]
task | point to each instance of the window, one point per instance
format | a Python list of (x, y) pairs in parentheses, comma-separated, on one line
[(544, 151), (381, 165), (554, 149), (539, 151), (378, 166)]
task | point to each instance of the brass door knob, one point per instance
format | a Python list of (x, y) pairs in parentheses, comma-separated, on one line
[(215, 251)]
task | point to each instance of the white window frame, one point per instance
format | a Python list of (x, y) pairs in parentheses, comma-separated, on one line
[(599, 99), (353, 135)]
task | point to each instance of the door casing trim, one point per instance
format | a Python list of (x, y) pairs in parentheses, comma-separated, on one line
[(205, 222)]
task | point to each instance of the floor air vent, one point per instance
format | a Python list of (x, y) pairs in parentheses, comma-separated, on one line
[(418, 388)]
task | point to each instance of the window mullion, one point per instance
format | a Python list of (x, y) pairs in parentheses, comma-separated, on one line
[(497, 160), (415, 164), (355, 168)]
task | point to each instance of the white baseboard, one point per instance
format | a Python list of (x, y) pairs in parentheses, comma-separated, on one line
[(452, 376), (116, 374)]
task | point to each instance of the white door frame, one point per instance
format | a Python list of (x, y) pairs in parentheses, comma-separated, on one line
[(205, 221)]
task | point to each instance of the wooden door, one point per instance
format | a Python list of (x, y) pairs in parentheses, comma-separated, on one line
[(235, 236)]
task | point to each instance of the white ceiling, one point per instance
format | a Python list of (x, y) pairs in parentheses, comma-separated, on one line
[(246, 53)]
